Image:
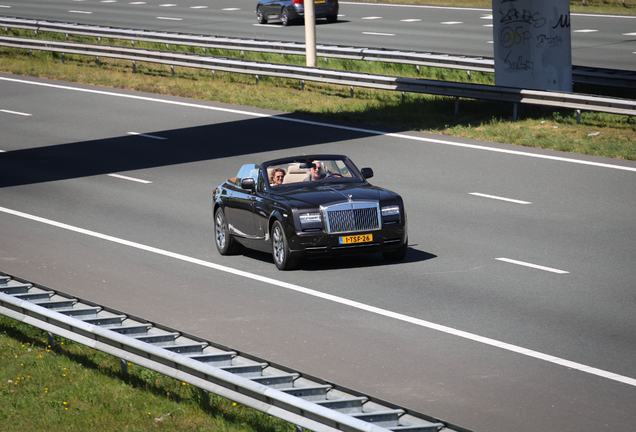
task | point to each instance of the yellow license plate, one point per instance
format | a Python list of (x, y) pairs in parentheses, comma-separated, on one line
[(363, 238), (318, 1)]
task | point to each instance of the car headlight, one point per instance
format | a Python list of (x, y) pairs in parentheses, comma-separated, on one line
[(391, 210), (310, 217)]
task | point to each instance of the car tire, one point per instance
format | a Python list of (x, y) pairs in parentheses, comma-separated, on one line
[(284, 17), (280, 249), (332, 18), (397, 255), (260, 16), (225, 244)]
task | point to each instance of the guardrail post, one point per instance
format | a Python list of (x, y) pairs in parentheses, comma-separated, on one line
[(418, 68), (256, 79), (578, 116), (206, 400), (49, 340), (134, 67), (514, 111), (403, 97), (456, 105), (97, 60), (468, 73), (302, 85), (351, 91), (172, 69), (123, 364), (62, 58)]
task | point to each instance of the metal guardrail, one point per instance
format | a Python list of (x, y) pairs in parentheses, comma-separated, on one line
[(580, 74), (305, 401), (339, 77)]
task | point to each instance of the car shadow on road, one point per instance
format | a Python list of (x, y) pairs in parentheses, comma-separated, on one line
[(413, 255)]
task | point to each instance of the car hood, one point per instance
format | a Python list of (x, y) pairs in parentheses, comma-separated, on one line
[(326, 194)]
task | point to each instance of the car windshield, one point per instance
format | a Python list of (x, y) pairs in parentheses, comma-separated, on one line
[(302, 171)]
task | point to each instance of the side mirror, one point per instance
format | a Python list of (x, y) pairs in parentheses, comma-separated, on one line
[(247, 183), (367, 173)]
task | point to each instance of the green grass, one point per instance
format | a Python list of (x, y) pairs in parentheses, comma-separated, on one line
[(71, 387)]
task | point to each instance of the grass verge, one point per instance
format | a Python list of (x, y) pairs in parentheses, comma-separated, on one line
[(72, 387)]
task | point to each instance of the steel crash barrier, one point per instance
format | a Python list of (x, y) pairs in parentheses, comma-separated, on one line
[(307, 402), (579, 102), (580, 74)]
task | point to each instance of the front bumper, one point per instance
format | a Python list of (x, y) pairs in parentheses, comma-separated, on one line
[(309, 244)]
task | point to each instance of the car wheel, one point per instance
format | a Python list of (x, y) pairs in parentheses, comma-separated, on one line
[(225, 244), (397, 255), (280, 249), (284, 17), (260, 16), (332, 18)]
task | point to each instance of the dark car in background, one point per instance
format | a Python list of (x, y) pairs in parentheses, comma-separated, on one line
[(288, 11), (308, 206)]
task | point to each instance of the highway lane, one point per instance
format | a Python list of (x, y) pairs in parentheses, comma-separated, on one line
[(597, 40), (580, 220)]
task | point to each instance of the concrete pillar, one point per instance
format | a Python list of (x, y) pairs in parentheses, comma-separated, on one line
[(532, 44)]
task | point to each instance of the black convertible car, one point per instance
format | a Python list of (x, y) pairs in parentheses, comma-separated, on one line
[(303, 206)]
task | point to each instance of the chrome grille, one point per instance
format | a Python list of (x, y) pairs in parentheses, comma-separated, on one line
[(351, 217)]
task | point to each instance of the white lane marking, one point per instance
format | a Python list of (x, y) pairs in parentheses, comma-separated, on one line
[(378, 34), (488, 25), (411, 20), (371, 18), (5, 6), (129, 178), (167, 5), (137, 3), (15, 112), (227, 9), (416, 6), (265, 25), (284, 117), (488, 17), (451, 22), (584, 31), (108, 1), (170, 18), (80, 12), (146, 135), (629, 34), (534, 266), (499, 198), (340, 300), (461, 8)]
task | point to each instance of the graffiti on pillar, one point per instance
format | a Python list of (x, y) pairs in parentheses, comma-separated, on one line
[(532, 43)]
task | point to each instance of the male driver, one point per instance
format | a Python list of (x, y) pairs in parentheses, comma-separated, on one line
[(315, 172)]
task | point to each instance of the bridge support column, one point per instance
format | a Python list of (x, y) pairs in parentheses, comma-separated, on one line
[(532, 44)]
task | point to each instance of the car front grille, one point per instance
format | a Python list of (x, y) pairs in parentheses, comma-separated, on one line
[(352, 217)]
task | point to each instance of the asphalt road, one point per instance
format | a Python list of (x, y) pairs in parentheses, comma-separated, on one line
[(514, 309), (604, 41)]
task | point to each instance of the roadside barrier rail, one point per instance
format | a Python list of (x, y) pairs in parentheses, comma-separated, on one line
[(580, 102), (580, 74), (307, 402)]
